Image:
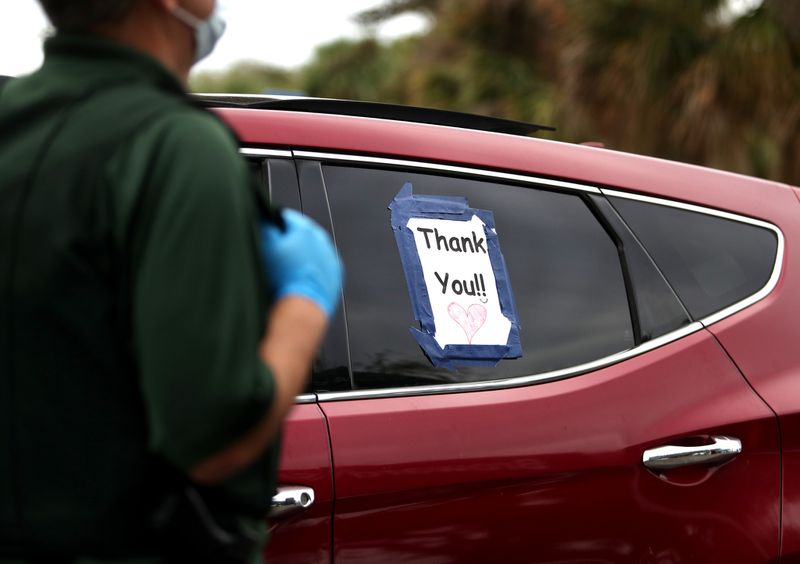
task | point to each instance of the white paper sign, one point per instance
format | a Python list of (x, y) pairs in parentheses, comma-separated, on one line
[(460, 282)]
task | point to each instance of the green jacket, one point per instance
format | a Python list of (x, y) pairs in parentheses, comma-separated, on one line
[(132, 301)]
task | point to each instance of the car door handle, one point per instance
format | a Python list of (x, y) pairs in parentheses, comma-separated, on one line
[(668, 457), (290, 499)]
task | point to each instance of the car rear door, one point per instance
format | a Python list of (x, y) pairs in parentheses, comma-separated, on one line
[(538, 459), (759, 328)]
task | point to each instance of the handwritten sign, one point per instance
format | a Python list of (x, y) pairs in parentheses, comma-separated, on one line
[(457, 280)]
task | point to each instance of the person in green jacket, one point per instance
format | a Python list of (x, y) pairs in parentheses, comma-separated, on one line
[(155, 325)]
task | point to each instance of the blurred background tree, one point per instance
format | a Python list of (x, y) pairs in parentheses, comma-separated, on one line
[(689, 80), (246, 77), (686, 80)]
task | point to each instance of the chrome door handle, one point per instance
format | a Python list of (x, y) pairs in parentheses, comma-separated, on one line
[(290, 499), (668, 457)]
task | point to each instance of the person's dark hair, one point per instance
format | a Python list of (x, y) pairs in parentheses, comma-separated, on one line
[(84, 15)]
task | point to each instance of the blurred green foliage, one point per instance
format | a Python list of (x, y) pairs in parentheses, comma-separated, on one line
[(246, 77), (683, 79)]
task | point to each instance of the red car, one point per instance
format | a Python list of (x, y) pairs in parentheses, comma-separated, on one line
[(545, 353)]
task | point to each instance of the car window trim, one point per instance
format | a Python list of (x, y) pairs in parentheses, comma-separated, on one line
[(421, 165), (256, 152), (777, 267), (570, 371), (517, 382)]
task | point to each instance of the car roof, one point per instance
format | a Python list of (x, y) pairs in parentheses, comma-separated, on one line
[(323, 131)]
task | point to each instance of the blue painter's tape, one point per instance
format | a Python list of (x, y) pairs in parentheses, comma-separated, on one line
[(406, 206)]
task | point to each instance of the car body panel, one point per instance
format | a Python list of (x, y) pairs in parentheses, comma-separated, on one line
[(772, 364), (553, 472), (304, 536)]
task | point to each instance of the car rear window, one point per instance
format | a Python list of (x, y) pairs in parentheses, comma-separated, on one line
[(564, 271), (711, 262)]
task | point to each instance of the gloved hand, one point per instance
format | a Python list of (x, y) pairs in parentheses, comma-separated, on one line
[(302, 261)]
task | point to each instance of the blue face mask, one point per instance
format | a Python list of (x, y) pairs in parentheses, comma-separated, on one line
[(206, 32)]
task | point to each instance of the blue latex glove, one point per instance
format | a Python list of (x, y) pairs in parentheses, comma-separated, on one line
[(302, 261)]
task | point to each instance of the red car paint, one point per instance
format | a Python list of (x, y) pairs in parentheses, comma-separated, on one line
[(763, 341), (553, 472), (305, 460)]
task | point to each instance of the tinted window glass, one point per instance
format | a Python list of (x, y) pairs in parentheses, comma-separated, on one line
[(256, 167), (658, 309), (564, 270), (284, 190), (711, 262)]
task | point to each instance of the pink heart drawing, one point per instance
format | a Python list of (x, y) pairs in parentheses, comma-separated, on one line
[(470, 320)]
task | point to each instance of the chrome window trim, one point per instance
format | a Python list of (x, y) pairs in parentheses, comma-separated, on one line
[(254, 152), (305, 398), (517, 382), (541, 378), (776, 270), (526, 179)]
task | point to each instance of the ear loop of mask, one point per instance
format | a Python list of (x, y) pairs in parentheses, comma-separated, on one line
[(187, 17)]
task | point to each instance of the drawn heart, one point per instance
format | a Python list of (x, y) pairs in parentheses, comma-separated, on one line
[(470, 320)]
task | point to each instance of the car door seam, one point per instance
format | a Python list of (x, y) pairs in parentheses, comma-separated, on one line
[(332, 463), (779, 429)]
